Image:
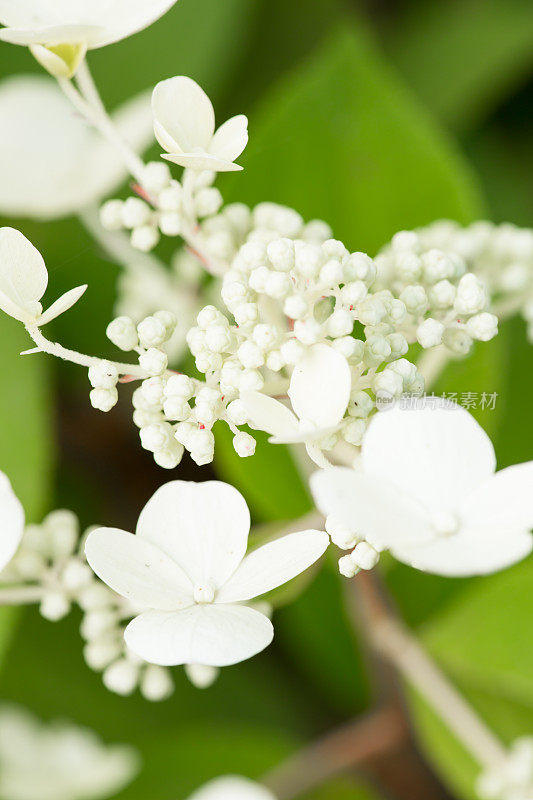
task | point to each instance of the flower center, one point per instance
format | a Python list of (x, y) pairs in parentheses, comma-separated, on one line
[(445, 523), (203, 594)]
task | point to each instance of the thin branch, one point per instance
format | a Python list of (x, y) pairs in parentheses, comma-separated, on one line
[(344, 749)]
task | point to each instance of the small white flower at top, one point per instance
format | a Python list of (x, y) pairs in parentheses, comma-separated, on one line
[(511, 779), (427, 492), (11, 521), (187, 566), (60, 33), (23, 281), (58, 761), (184, 125), (232, 787), (319, 392)]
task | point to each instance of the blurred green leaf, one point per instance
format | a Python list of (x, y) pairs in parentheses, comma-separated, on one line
[(342, 139), (463, 56), (269, 479)]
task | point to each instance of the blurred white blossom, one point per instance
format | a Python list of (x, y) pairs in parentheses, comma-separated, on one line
[(58, 761), (232, 787), (11, 521), (60, 33)]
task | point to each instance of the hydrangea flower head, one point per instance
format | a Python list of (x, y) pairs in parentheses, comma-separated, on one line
[(187, 565)]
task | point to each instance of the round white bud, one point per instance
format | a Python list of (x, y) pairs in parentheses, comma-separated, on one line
[(340, 533), (264, 336), (170, 223), (307, 331), (250, 355), (54, 606), (121, 677), (156, 436), (99, 654), (152, 332), (415, 299), (353, 293), (292, 351), (152, 389), (145, 238), (354, 431), (171, 456), (135, 212), (156, 683), (103, 399), (156, 176), (442, 294), (246, 314), (179, 386), (111, 215), (201, 675), (275, 361), (277, 285), (76, 574), (359, 267), (471, 295), (331, 274), (430, 333), (347, 567), (482, 327), (176, 408), (103, 374), (364, 556), (123, 333), (309, 259), (236, 412), (170, 198), (295, 306), (153, 361), (251, 381), (244, 444), (208, 202), (281, 254), (340, 323)]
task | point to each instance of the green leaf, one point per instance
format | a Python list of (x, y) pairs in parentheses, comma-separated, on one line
[(342, 139), (269, 479), (463, 56)]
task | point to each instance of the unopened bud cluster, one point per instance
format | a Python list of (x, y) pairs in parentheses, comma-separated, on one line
[(361, 556), (51, 561), (446, 304)]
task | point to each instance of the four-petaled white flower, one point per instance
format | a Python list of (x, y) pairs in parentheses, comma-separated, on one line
[(319, 392), (58, 761), (187, 565), (427, 491), (184, 126), (52, 163), (11, 521), (23, 281), (60, 32), (232, 787)]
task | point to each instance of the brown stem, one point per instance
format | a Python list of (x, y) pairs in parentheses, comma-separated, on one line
[(351, 746)]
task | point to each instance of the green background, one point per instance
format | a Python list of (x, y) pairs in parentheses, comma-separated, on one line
[(375, 117)]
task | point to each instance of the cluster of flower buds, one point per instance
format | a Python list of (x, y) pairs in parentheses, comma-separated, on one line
[(162, 206), (502, 255), (445, 303), (51, 566), (146, 339)]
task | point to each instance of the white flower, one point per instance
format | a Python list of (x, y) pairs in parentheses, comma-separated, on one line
[(60, 32), (232, 787), (58, 761), (184, 125), (11, 521), (319, 392), (187, 564), (428, 492), (52, 163), (23, 280)]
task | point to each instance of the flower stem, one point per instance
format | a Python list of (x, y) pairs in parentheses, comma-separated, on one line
[(20, 595), (55, 349), (398, 645)]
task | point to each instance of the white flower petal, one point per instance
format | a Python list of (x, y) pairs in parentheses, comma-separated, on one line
[(272, 565), (230, 139), (320, 386), (267, 414), (202, 526), (137, 569), (52, 163), (469, 552), (62, 304), (370, 507), (503, 503), (53, 35), (20, 13), (438, 455), (184, 111), (232, 787), (200, 161), (23, 274), (11, 521), (123, 18), (215, 635)]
